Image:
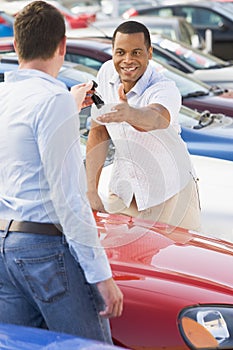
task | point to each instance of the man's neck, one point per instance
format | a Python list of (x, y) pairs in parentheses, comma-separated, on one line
[(46, 66)]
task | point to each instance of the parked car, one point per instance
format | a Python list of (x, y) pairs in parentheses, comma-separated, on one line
[(117, 8), (217, 16), (177, 285), (207, 134), (85, 6), (72, 20), (6, 24), (176, 28), (196, 94), (194, 62), (13, 337), (170, 276)]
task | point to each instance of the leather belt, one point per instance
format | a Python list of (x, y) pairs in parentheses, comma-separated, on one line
[(31, 227)]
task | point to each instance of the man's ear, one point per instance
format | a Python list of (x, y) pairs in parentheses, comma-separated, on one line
[(15, 46), (150, 52), (62, 46)]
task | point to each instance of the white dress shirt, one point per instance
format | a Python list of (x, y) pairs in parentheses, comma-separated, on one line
[(153, 166), (42, 176)]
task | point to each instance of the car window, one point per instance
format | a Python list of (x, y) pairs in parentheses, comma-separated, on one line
[(167, 30), (165, 12), (84, 60), (199, 16)]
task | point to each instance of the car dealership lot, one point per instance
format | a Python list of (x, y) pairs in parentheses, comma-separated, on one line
[(216, 16), (196, 94)]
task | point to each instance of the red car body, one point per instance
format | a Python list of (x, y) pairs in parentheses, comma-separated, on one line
[(162, 271)]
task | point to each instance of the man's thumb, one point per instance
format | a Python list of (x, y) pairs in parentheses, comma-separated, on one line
[(121, 93)]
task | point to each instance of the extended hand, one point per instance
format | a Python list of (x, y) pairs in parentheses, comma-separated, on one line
[(82, 94), (121, 112), (95, 202), (112, 297)]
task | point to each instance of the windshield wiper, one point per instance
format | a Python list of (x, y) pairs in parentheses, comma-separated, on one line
[(217, 90), (196, 94)]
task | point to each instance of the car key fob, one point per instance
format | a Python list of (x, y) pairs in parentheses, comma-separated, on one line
[(95, 97)]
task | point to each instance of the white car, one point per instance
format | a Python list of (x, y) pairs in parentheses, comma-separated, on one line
[(194, 62), (216, 194)]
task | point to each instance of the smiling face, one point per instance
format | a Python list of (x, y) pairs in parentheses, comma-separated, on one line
[(130, 57)]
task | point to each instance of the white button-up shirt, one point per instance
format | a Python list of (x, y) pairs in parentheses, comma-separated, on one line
[(153, 166), (42, 176)]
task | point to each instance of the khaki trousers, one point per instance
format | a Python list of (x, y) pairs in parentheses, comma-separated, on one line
[(183, 209)]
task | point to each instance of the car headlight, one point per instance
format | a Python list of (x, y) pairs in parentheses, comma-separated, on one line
[(207, 326)]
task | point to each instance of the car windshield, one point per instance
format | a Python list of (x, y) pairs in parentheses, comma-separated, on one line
[(194, 58), (187, 86)]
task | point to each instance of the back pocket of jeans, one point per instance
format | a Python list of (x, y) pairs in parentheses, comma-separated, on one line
[(44, 276)]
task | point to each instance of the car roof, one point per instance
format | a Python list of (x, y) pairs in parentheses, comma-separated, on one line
[(107, 27), (214, 5), (91, 42)]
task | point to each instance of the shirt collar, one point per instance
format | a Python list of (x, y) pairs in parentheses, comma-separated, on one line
[(141, 85)]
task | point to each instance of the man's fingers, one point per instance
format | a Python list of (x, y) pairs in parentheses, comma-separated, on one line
[(112, 310)]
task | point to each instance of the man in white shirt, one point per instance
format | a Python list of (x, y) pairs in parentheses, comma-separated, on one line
[(152, 175), (54, 271)]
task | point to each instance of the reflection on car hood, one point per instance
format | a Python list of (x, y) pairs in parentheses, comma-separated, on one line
[(139, 248)]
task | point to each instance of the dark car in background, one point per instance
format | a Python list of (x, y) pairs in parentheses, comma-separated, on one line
[(217, 16)]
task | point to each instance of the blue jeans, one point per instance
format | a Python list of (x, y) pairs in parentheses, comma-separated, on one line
[(42, 285)]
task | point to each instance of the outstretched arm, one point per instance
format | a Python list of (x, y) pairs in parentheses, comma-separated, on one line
[(151, 117)]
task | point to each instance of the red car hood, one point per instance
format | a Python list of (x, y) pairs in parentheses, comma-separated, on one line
[(139, 248)]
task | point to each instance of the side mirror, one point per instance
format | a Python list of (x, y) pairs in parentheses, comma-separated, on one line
[(223, 26)]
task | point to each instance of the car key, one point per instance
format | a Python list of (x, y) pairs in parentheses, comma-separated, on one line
[(96, 97)]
